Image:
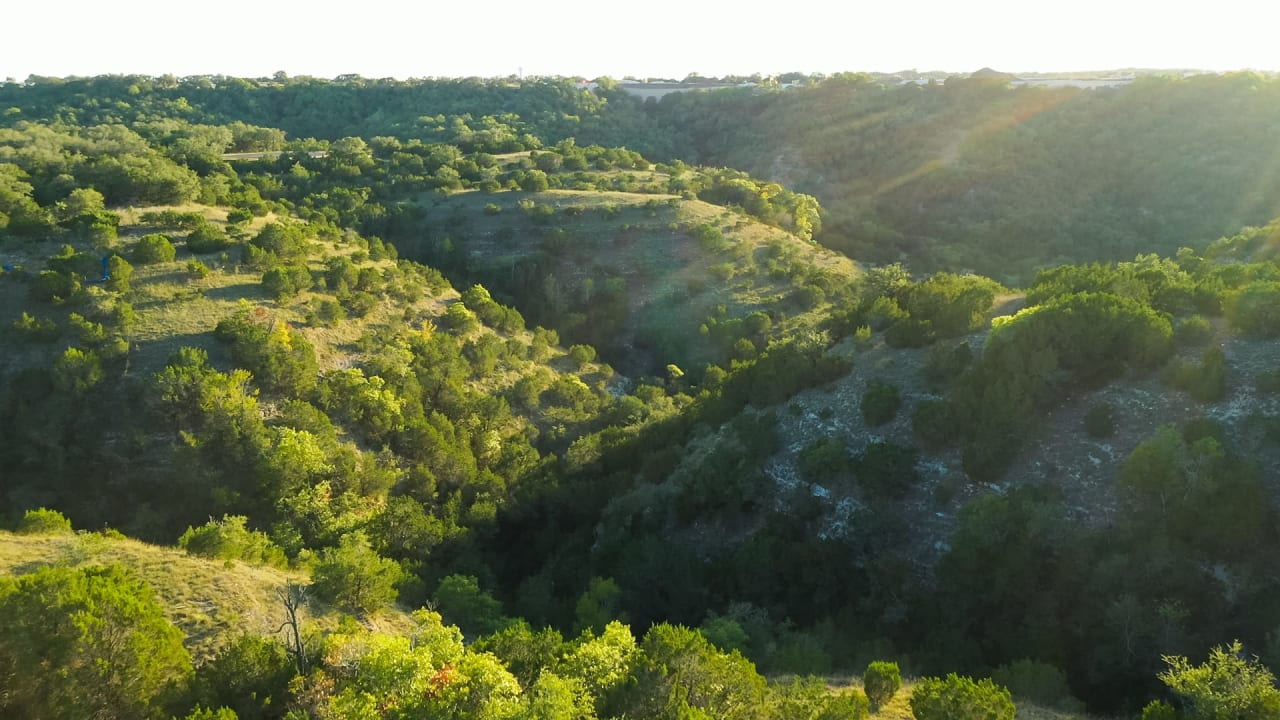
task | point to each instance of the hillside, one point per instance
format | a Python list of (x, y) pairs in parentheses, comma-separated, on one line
[(211, 601), (975, 174), (562, 390), (646, 278)]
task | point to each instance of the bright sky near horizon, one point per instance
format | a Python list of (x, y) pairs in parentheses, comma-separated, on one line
[(656, 38)]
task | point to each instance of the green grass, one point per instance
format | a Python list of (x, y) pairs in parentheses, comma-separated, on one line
[(211, 601)]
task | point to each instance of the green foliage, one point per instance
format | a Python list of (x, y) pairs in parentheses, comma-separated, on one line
[(206, 238), (1160, 710), (230, 539), (250, 677), (1041, 352), (281, 360), (881, 682), (460, 599), (1206, 382), (1252, 309), (1037, 682), (886, 470), (1099, 420), (1193, 331), (880, 403), (1227, 685), (960, 698), (936, 423), (1192, 491), (43, 521), (355, 577), (103, 631), (683, 675), (946, 363), (152, 249), (33, 329), (823, 460), (581, 355), (286, 281), (598, 606), (76, 371)]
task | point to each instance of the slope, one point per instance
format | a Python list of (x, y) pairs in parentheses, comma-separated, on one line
[(211, 601)]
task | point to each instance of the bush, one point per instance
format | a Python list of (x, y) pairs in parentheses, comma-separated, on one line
[(44, 521), (1195, 330), (946, 362), (1099, 421), (1160, 710), (961, 698), (581, 355), (207, 238), (152, 249), (1038, 682), (1206, 382), (880, 403), (823, 459), (34, 329), (881, 681), (229, 539), (886, 470)]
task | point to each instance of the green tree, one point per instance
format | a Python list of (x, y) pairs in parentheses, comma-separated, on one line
[(461, 601), (249, 676), (355, 577), (86, 642)]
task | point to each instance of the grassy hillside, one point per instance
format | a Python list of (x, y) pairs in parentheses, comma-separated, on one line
[(645, 277), (211, 601)]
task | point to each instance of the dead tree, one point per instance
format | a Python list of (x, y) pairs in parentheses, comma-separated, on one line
[(293, 597)]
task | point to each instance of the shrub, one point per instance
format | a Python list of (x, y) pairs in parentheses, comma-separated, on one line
[(581, 355), (1206, 382), (230, 539), (197, 270), (1038, 682), (207, 238), (909, 333), (1195, 330), (961, 698), (1099, 421), (1160, 710), (44, 521), (880, 403), (946, 362), (881, 681), (34, 329), (152, 249), (823, 459), (886, 470)]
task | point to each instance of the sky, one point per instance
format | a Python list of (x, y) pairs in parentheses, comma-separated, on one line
[(657, 38)]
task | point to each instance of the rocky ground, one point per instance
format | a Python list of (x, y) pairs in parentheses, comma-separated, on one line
[(1061, 453)]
